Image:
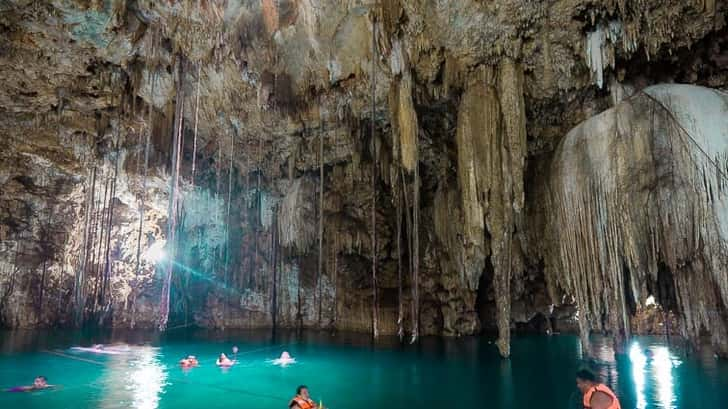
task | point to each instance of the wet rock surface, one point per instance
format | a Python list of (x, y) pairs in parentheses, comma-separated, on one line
[(203, 128)]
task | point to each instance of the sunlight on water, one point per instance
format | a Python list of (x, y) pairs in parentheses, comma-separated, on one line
[(662, 365), (639, 361), (135, 380), (148, 379), (436, 372)]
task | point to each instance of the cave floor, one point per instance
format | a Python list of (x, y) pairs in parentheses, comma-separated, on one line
[(344, 371)]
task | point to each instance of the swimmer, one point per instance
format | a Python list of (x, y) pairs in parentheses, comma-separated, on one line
[(302, 400), (39, 383), (189, 362), (596, 395), (104, 349), (223, 360), (284, 360)]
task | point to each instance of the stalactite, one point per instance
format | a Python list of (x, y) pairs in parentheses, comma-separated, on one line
[(80, 281), (335, 280), (107, 261), (142, 203), (410, 252), (173, 205), (299, 315), (398, 214), (258, 204), (97, 225), (227, 227), (247, 271), (491, 145), (45, 264), (320, 218), (197, 116), (415, 250), (671, 144), (375, 301), (274, 258), (218, 195)]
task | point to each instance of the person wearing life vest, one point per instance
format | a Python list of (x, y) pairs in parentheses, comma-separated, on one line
[(596, 395), (302, 400)]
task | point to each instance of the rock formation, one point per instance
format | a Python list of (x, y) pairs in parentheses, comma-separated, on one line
[(638, 207), (224, 163)]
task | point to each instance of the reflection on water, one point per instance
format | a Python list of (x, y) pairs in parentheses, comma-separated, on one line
[(660, 368), (135, 380), (662, 365), (466, 372), (639, 361)]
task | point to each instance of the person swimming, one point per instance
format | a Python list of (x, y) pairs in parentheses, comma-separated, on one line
[(189, 362), (117, 349), (596, 394), (303, 400), (39, 383), (223, 360), (285, 359)]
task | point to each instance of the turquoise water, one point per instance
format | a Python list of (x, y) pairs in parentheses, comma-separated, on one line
[(346, 372)]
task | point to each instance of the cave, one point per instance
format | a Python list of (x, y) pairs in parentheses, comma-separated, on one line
[(400, 193)]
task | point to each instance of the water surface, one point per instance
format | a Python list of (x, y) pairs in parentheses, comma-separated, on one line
[(346, 372)]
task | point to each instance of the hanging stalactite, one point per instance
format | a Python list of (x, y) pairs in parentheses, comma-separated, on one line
[(320, 217), (80, 283), (197, 116), (107, 261), (148, 136), (97, 225), (258, 212), (173, 202), (274, 260), (375, 164), (415, 251), (398, 214), (335, 281), (228, 222)]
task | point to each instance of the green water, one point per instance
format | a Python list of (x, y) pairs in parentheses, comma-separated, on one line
[(346, 372)]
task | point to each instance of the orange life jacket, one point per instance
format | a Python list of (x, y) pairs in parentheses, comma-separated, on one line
[(302, 403), (604, 389)]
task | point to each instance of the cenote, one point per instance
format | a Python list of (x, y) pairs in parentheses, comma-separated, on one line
[(347, 371), (430, 203)]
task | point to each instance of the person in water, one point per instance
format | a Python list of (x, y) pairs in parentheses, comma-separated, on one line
[(189, 362), (284, 360), (223, 360), (39, 383), (596, 395), (302, 400)]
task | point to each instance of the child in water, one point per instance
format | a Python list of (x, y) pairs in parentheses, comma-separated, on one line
[(39, 383)]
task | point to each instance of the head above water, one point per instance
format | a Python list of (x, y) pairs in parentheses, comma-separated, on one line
[(302, 391), (285, 355), (223, 356), (40, 382), (585, 379)]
